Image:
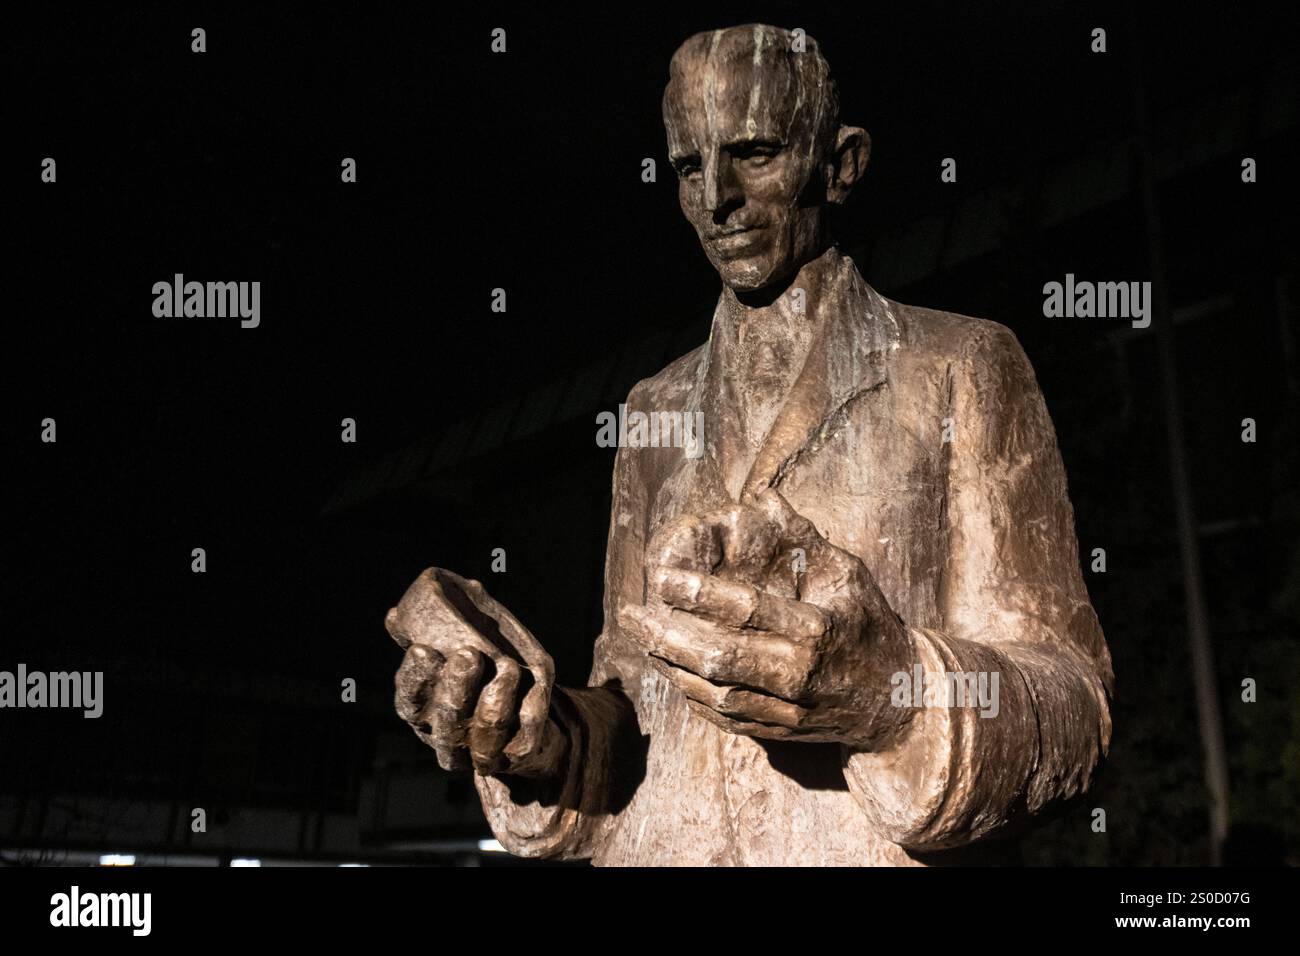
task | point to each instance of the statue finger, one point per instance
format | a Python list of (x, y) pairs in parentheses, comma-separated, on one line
[(534, 715), (755, 659), (396, 628), (452, 702), (414, 682), (794, 530), (687, 542), (739, 727), (492, 723), (736, 604), (749, 542), (738, 703)]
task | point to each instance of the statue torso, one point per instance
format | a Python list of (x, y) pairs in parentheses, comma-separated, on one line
[(871, 474)]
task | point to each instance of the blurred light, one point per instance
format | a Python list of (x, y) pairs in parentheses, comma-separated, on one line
[(490, 846), (245, 862), (117, 859), (354, 864)]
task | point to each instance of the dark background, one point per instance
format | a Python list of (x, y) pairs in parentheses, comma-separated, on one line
[(475, 429)]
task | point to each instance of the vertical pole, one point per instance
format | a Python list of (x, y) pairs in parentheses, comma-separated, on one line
[(1209, 718)]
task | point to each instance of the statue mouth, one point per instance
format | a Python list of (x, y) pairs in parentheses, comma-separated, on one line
[(734, 242), (730, 231)]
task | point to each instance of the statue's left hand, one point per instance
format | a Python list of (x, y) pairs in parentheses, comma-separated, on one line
[(768, 629)]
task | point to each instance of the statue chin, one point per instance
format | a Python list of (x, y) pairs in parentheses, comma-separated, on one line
[(766, 272), (743, 275)]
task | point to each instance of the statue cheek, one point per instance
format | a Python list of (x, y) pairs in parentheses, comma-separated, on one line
[(693, 209)]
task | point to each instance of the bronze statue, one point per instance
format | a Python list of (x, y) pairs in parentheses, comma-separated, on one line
[(880, 504)]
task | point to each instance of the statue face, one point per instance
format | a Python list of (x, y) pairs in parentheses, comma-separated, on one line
[(742, 139)]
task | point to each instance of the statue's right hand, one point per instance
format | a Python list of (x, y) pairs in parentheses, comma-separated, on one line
[(474, 685)]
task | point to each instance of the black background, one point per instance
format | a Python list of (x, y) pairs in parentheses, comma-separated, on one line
[(523, 171)]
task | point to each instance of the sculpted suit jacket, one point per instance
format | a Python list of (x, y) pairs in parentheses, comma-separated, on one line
[(919, 441)]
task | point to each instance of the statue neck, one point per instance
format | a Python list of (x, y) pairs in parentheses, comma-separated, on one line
[(789, 312)]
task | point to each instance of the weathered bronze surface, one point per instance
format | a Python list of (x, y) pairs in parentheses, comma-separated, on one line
[(880, 497)]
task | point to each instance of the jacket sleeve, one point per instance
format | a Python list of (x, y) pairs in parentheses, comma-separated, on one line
[(564, 818), (568, 817), (1015, 610)]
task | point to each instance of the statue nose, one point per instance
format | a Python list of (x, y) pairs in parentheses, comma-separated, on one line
[(720, 186)]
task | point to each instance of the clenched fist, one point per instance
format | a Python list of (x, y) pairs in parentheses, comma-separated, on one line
[(474, 685), (768, 629)]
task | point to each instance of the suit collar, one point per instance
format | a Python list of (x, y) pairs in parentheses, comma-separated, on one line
[(849, 356)]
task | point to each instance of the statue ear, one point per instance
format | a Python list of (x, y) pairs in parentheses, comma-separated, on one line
[(847, 162)]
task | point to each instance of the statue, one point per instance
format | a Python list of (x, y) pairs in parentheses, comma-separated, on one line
[(854, 631)]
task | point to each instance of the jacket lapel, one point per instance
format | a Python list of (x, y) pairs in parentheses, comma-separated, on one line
[(848, 358)]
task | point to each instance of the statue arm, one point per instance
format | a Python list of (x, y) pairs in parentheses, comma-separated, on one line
[(564, 816), (568, 815), (1015, 606)]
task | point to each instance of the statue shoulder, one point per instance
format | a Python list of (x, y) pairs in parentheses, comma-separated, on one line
[(668, 388), (951, 336)]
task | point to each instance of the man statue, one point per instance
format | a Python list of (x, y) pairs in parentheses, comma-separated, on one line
[(854, 630)]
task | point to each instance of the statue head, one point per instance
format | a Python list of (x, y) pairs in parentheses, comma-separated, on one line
[(754, 134)]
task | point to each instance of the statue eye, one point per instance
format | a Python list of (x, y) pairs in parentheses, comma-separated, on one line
[(755, 153), (688, 167)]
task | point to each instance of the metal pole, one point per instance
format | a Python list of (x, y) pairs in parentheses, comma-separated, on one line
[(1209, 718)]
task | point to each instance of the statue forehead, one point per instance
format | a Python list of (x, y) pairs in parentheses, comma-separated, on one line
[(742, 82)]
